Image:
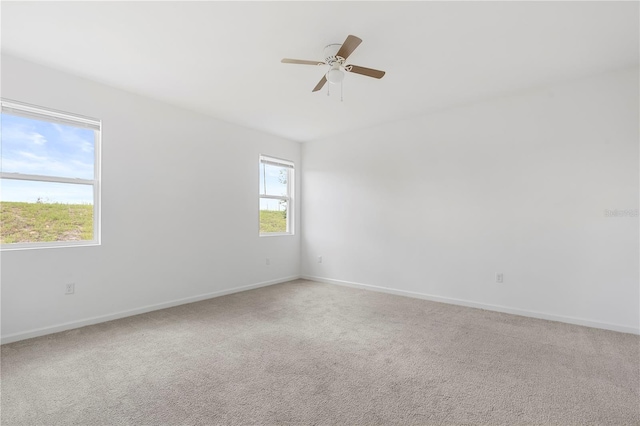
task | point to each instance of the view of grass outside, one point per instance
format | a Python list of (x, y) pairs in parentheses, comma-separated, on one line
[(274, 195), (47, 176), (273, 221), (22, 222)]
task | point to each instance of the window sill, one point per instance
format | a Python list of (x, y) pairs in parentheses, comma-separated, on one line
[(278, 234), (39, 246)]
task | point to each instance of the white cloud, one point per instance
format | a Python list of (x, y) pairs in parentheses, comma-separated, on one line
[(19, 133), (29, 163), (70, 135), (68, 155), (32, 156)]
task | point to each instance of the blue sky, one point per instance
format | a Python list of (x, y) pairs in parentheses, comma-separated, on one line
[(50, 149)]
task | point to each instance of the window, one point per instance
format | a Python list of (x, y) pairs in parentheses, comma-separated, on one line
[(49, 178), (276, 204)]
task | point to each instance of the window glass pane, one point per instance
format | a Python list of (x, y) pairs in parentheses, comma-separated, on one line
[(38, 147), (45, 211), (273, 215), (274, 180)]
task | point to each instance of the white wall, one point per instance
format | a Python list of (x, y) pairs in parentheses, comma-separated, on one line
[(430, 207), (435, 206), (179, 211)]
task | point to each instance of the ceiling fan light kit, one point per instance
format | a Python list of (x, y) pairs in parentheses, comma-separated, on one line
[(335, 56), (335, 76)]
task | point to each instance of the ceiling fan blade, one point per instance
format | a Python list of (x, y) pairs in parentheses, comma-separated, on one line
[(349, 46), (301, 62), (369, 72), (320, 84)]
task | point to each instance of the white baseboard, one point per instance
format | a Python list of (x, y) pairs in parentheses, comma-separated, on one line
[(122, 314), (497, 308)]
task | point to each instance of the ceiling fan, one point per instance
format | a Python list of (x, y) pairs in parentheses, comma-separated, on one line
[(335, 55)]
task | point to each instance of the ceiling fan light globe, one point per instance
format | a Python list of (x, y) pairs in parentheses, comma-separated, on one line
[(335, 76)]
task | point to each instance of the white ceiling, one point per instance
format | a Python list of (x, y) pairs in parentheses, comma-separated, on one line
[(223, 58)]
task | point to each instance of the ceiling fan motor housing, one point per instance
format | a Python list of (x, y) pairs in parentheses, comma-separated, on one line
[(330, 52)]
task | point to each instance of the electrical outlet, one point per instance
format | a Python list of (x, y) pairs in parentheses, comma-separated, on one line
[(319, 259), (499, 277), (70, 288), (267, 261)]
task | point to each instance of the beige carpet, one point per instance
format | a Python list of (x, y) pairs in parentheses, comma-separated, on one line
[(310, 353)]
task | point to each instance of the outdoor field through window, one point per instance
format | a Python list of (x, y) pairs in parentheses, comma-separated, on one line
[(276, 183), (49, 169)]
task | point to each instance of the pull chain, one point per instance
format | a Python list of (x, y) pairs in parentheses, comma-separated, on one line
[(341, 91), (328, 85)]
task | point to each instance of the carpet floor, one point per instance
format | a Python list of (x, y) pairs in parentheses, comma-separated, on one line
[(313, 354)]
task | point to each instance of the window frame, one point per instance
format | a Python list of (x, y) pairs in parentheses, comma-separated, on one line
[(289, 198), (34, 112)]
